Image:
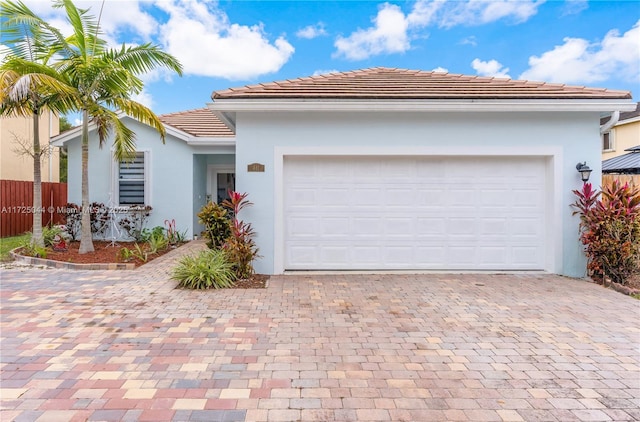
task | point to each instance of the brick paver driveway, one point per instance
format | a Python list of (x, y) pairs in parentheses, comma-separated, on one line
[(116, 346)]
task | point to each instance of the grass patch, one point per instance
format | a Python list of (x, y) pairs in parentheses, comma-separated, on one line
[(9, 243), (636, 296)]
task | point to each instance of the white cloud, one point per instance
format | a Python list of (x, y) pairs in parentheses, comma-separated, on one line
[(388, 35), (144, 98), (4, 50), (392, 30), (579, 61), (480, 12), (195, 31), (440, 70), (470, 41), (324, 72), (207, 44), (423, 13), (490, 68), (112, 18), (574, 7), (312, 31)]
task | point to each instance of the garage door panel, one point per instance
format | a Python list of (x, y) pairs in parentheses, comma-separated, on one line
[(367, 226), (429, 256), (337, 256), (526, 227), (304, 255), (414, 212), (461, 256), (493, 255), (525, 257), (399, 255), (300, 227), (430, 226), (338, 197), (461, 226), (335, 227), (368, 196), (494, 226)]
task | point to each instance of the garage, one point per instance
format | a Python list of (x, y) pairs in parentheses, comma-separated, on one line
[(414, 212)]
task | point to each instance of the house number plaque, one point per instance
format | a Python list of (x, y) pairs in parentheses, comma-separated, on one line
[(255, 167)]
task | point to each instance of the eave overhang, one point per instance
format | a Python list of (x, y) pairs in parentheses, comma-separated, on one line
[(598, 105)]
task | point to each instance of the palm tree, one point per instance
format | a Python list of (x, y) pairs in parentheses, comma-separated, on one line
[(28, 87), (103, 80)]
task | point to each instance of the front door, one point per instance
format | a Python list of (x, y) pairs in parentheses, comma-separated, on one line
[(220, 180)]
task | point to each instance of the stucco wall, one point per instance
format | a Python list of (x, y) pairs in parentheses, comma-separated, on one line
[(16, 166), (573, 137), (199, 189), (170, 175)]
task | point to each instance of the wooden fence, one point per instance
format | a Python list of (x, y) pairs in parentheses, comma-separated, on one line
[(16, 205), (632, 179)]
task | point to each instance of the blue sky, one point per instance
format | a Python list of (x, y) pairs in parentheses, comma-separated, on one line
[(233, 43)]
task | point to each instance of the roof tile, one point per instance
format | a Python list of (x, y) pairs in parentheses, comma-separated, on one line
[(390, 83), (200, 122)]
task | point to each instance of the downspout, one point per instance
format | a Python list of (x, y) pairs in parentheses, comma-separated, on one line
[(615, 116)]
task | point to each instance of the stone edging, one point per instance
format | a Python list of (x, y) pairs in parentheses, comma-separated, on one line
[(617, 287), (30, 260), (624, 289)]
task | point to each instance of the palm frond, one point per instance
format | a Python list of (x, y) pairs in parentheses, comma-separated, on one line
[(141, 113), (144, 58), (28, 35)]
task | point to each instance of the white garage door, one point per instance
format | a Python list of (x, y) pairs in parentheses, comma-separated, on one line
[(382, 213)]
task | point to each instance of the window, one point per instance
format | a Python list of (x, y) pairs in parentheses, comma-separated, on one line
[(607, 141), (132, 181)]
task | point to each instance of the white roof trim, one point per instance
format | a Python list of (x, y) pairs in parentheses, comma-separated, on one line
[(597, 105), (226, 141)]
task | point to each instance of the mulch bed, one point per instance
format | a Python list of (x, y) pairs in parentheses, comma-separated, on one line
[(108, 253), (105, 253), (257, 281)]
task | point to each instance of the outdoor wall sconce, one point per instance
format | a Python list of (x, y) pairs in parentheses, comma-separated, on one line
[(584, 171)]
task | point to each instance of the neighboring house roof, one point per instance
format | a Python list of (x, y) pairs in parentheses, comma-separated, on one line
[(626, 163), (200, 122), (624, 116), (389, 83)]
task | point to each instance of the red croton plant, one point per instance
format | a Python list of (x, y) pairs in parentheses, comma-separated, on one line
[(610, 230), (240, 246)]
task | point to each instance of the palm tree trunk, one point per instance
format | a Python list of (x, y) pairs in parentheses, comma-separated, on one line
[(36, 237), (86, 241)]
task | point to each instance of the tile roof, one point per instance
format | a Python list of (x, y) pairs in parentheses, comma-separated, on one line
[(627, 163), (626, 115), (630, 114), (389, 83), (200, 122)]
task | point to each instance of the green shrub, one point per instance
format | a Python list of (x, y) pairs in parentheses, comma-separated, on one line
[(610, 230), (31, 249), (209, 269), (217, 224), (49, 234), (126, 254), (157, 241), (139, 253), (147, 234)]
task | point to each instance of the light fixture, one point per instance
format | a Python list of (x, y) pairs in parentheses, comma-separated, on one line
[(584, 171)]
